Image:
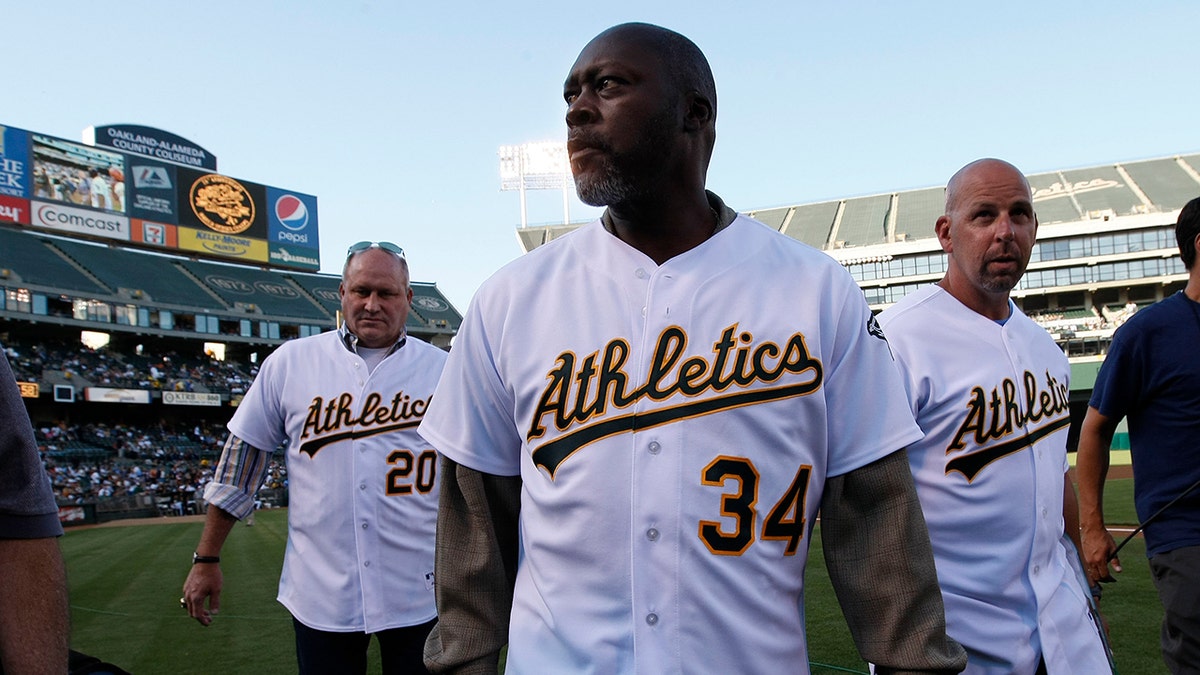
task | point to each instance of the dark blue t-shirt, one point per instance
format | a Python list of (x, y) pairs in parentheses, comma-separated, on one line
[(27, 508), (1152, 376)]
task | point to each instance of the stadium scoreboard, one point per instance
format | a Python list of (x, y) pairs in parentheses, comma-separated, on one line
[(149, 188)]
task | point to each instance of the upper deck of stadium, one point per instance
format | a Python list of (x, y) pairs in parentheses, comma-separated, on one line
[(1106, 243), (52, 279), (1102, 192)]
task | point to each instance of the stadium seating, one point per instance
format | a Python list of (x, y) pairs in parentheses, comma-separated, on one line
[(864, 221), (1164, 181), (811, 223), (1102, 190), (256, 290), (771, 217), (156, 277), (1052, 199), (322, 288), (35, 263), (917, 211)]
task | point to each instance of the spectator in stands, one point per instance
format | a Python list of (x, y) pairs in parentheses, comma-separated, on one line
[(347, 403), (1152, 376), (34, 619), (992, 472)]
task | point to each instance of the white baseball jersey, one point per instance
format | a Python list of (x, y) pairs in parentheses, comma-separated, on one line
[(673, 427), (362, 484), (993, 402)]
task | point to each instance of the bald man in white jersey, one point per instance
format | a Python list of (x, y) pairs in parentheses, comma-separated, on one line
[(639, 421), (989, 388)]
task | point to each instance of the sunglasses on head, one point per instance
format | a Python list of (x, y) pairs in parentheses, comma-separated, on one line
[(382, 245)]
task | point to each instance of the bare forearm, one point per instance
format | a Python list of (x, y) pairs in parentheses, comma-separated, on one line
[(218, 523), (202, 588), (34, 614), (1091, 467), (1071, 512)]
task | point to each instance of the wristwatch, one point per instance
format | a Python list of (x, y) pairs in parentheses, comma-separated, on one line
[(197, 558)]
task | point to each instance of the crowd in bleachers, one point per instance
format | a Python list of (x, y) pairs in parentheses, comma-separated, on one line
[(105, 368), (95, 462), (202, 441), (1085, 319)]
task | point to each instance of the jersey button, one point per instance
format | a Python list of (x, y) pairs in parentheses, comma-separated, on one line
[(367, 563), (654, 447), (364, 526), (652, 534), (362, 486), (652, 619)]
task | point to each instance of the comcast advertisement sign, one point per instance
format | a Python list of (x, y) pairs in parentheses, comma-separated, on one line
[(148, 187)]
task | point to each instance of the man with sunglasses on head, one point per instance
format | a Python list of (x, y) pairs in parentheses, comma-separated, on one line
[(362, 484)]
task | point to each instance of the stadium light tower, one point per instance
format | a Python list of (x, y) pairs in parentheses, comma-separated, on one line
[(536, 166)]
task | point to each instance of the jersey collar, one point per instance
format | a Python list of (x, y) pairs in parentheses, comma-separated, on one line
[(350, 340)]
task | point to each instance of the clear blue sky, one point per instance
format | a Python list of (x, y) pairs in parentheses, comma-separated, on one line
[(391, 113)]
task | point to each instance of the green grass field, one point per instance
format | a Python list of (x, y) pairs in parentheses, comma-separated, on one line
[(125, 586)]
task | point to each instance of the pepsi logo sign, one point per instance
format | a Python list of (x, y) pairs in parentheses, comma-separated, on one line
[(291, 212)]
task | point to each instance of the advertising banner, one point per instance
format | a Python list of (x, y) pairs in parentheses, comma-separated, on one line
[(153, 234), (14, 210), (152, 190), (14, 162), (72, 515), (81, 221), (28, 389), (290, 256), (190, 398), (220, 204), (150, 187), (292, 219), (223, 245), (106, 395)]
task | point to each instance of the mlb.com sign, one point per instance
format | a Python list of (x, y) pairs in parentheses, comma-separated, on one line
[(292, 218)]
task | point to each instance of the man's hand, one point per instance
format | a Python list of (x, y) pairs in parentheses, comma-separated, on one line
[(1098, 545), (203, 583)]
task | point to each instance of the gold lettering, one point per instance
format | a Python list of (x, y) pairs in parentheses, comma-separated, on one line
[(668, 373), (554, 398), (586, 372), (976, 411), (312, 423), (667, 353), (1001, 414)]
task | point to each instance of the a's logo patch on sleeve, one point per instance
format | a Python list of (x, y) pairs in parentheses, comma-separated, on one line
[(874, 328)]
